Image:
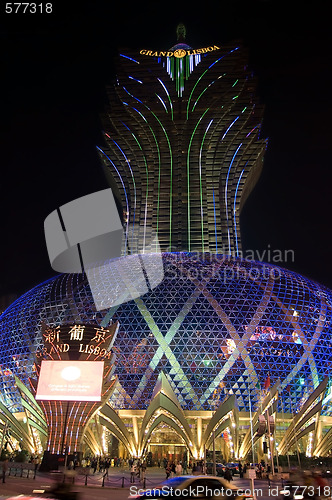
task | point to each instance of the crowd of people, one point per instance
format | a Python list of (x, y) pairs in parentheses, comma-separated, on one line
[(100, 463), (137, 469), (180, 468)]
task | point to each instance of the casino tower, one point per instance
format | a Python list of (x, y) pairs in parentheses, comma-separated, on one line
[(224, 350), (182, 144)]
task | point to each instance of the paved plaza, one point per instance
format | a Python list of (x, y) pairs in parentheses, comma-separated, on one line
[(116, 485)]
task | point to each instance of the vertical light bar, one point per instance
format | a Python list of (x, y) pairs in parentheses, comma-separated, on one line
[(125, 193), (234, 212), (202, 75), (146, 167), (200, 183), (215, 220), (226, 194), (188, 177), (171, 159), (167, 93), (134, 184)]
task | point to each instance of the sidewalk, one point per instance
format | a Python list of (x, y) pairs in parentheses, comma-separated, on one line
[(118, 481)]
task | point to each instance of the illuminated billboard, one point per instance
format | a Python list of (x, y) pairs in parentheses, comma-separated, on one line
[(70, 380)]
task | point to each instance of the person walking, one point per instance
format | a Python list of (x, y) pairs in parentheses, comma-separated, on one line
[(143, 471), (178, 469), (228, 474), (133, 473)]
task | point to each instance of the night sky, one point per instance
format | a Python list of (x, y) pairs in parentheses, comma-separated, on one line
[(54, 69)]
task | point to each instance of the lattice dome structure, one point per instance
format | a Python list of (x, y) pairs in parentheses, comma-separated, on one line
[(182, 151), (215, 326)]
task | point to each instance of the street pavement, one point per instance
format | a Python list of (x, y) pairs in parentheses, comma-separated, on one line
[(117, 485)]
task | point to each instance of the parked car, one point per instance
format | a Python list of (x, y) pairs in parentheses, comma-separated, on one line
[(185, 487), (220, 468), (234, 468)]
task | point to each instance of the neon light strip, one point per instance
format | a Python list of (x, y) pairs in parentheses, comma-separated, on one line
[(72, 428), (140, 147), (171, 181), (171, 163), (167, 93), (147, 182), (162, 102), (226, 203), (180, 70), (188, 175), (146, 166), (202, 75), (200, 95), (125, 192), (68, 441), (78, 428), (200, 183), (213, 193), (252, 130), (135, 79), (130, 58), (55, 405), (168, 66), (215, 220), (234, 212), (54, 426), (133, 179), (231, 125)]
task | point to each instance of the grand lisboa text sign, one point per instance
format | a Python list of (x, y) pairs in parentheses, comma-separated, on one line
[(85, 339), (179, 53)]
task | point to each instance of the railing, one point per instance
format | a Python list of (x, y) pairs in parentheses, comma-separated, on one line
[(86, 476), (102, 479)]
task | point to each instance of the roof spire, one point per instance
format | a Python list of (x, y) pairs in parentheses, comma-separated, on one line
[(181, 32)]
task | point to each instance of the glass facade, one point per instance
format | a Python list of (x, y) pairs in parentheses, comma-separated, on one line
[(214, 326), (182, 145), (182, 152)]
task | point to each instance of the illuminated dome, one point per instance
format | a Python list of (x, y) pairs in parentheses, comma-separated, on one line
[(215, 326)]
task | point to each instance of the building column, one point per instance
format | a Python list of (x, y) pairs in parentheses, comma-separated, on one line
[(135, 429), (199, 436)]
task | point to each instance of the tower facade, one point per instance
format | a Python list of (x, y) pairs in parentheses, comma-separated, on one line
[(220, 340), (182, 145)]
